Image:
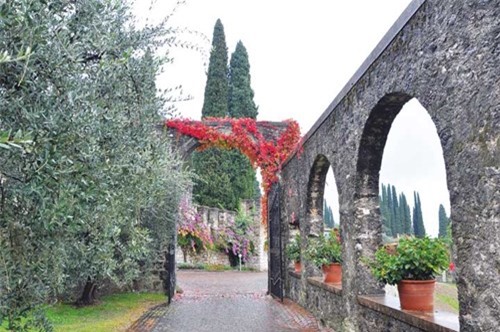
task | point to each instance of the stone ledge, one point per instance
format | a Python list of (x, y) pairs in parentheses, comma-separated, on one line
[(439, 321), (294, 274), (332, 288)]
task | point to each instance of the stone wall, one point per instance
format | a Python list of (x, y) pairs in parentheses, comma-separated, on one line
[(216, 218), (445, 54)]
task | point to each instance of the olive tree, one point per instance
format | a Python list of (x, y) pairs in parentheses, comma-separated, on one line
[(77, 203)]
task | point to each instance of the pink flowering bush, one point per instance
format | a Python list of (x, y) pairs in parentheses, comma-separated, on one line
[(193, 235), (234, 238)]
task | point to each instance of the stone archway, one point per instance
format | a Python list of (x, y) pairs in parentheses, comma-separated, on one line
[(267, 145)]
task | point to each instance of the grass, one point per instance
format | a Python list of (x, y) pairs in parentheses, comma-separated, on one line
[(212, 267), (114, 313), (447, 295), (449, 300)]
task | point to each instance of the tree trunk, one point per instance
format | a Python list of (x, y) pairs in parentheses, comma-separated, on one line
[(88, 294)]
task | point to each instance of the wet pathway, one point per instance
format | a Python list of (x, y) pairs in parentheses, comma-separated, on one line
[(226, 301)]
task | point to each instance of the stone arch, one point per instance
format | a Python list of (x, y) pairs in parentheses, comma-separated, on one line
[(373, 140), (315, 193)]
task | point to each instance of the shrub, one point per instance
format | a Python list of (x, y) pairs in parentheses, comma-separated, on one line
[(192, 234), (235, 238), (324, 250), (415, 259), (293, 249)]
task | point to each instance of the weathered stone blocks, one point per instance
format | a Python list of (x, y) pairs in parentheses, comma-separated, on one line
[(447, 55)]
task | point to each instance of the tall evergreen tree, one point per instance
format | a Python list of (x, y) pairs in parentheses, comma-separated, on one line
[(389, 212), (396, 220), (443, 221), (217, 88), (383, 208), (328, 215), (330, 212), (241, 103), (405, 215), (212, 185), (395, 212), (225, 177), (418, 221)]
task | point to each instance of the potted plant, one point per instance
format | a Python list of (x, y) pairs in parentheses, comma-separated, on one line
[(293, 252), (412, 267), (326, 253)]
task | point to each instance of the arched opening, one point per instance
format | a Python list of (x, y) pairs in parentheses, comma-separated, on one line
[(366, 197), (414, 197), (331, 209), (401, 174), (315, 196), (323, 248)]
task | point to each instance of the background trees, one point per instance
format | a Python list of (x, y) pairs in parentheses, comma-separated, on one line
[(395, 212), (328, 215), (418, 220), (77, 205), (241, 104), (444, 221), (216, 89), (225, 177)]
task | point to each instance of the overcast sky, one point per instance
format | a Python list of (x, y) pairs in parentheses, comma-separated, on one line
[(301, 55)]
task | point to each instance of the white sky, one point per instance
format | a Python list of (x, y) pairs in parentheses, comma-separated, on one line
[(301, 55)]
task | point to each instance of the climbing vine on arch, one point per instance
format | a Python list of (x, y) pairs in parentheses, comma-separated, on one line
[(268, 155)]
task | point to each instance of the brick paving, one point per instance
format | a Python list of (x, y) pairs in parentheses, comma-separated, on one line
[(226, 301)]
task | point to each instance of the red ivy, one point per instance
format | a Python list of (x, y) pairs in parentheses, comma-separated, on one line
[(269, 155)]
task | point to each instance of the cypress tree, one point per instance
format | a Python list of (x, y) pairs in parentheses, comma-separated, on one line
[(216, 88), (389, 212), (328, 215), (241, 103), (395, 222), (225, 177), (443, 221), (330, 212), (383, 207), (212, 185), (406, 216), (418, 221)]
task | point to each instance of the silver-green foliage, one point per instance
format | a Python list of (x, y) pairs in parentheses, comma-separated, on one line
[(77, 204)]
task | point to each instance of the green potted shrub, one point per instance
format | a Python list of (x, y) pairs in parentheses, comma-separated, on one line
[(412, 268), (326, 253), (293, 252)]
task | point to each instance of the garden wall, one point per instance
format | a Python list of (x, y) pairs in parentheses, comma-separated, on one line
[(380, 313), (215, 218), (446, 55)]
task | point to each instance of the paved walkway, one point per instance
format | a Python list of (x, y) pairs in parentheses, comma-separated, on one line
[(226, 301)]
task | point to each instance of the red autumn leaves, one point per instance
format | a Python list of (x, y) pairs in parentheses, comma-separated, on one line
[(268, 155)]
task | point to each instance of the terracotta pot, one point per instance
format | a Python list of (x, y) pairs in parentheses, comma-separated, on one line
[(417, 295), (298, 266), (332, 273)]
